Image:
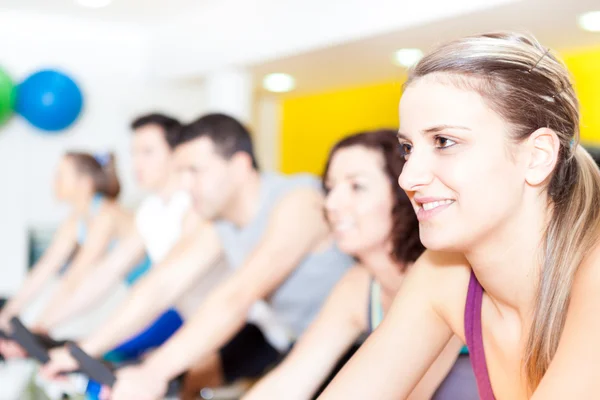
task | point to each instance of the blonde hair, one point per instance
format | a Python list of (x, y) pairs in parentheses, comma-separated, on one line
[(530, 88)]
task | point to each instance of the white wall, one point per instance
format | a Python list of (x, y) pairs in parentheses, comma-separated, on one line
[(110, 68), (28, 158), (266, 130), (231, 32), (13, 250)]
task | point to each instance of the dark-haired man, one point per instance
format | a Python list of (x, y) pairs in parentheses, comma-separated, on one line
[(272, 231), (159, 221)]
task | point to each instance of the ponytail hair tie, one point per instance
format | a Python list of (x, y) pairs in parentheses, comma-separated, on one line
[(102, 158)]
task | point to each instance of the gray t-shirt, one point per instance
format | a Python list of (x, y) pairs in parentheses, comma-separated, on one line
[(298, 300)]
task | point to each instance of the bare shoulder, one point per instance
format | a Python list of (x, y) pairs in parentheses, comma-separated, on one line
[(113, 213), (112, 208), (354, 282), (352, 293), (304, 196), (299, 212), (445, 277), (587, 278)]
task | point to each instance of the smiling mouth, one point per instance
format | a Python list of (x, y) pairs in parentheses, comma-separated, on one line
[(344, 226), (428, 209), (435, 204)]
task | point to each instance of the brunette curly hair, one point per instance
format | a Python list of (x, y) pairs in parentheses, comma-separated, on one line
[(407, 245)]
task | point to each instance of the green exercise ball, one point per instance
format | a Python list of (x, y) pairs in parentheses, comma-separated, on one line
[(7, 96)]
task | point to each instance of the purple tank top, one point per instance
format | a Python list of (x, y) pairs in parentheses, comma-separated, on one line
[(474, 338)]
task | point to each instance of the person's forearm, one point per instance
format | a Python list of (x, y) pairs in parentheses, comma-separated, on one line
[(143, 305), (312, 359), (60, 298), (216, 322), (67, 286), (96, 285), (62, 295), (31, 287), (290, 380), (156, 291), (304, 376), (277, 384), (340, 322), (88, 294), (438, 371)]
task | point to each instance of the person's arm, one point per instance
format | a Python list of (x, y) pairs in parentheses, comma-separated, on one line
[(436, 374), (100, 233), (57, 254), (338, 325), (158, 289), (393, 360), (573, 372), (98, 283), (295, 227), (153, 293)]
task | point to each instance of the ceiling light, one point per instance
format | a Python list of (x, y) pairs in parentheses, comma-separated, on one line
[(407, 57), (279, 83), (93, 3), (590, 21)]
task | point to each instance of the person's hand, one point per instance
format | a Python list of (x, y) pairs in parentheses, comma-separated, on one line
[(8, 347), (136, 383), (11, 349), (39, 329), (273, 386), (5, 322), (61, 361)]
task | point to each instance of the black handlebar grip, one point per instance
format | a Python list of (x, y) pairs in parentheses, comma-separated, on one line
[(96, 370), (28, 341), (103, 373), (48, 342)]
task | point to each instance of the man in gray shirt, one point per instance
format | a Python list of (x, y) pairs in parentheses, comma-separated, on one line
[(271, 229)]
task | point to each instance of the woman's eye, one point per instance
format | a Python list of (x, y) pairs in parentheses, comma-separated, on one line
[(405, 149), (357, 187), (443, 142)]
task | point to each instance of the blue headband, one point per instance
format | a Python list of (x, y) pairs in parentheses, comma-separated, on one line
[(102, 158)]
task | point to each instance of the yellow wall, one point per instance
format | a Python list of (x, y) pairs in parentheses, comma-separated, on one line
[(585, 67), (311, 124)]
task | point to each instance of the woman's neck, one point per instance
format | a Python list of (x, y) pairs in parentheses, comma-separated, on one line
[(81, 204), (507, 263), (387, 272)]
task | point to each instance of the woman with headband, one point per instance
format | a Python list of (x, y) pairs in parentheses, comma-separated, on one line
[(89, 185)]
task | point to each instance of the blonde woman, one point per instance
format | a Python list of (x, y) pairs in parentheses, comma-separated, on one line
[(508, 206)]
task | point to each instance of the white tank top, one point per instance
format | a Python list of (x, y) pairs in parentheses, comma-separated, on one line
[(160, 223)]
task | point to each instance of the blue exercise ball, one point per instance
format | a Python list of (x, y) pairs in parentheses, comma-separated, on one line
[(49, 100)]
